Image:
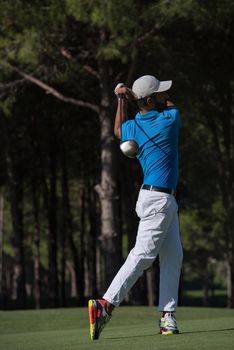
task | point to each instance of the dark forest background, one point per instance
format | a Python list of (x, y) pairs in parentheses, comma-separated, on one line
[(67, 194)]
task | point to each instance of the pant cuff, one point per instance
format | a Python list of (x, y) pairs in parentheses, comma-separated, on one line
[(111, 301)]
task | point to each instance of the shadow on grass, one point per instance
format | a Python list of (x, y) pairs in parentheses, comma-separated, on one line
[(209, 331), (191, 332)]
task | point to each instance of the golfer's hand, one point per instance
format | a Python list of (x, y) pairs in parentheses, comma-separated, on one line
[(118, 86), (162, 97), (169, 103), (124, 91)]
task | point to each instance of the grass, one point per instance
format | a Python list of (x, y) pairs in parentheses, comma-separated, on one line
[(131, 328)]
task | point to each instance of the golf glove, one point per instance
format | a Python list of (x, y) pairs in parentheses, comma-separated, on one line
[(118, 86)]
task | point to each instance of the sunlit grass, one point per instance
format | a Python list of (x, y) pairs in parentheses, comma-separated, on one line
[(130, 328)]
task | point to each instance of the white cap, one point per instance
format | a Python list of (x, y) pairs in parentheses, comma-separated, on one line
[(148, 84)]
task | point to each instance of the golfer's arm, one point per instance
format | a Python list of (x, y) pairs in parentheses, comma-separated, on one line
[(121, 115)]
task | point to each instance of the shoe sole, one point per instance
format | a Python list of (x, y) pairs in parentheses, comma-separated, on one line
[(92, 307), (169, 332)]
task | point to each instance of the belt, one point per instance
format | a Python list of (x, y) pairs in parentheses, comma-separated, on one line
[(158, 189)]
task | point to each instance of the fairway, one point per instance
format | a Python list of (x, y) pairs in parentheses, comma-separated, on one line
[(130, 328)]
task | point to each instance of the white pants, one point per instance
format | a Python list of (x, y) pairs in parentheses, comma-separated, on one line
[(158, 233)]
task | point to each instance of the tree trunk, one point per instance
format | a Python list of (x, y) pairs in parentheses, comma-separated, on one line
[(107, 191), (205, 286), (76, 265), (150, 278), (230, 253), (78, 255), (16, 199), (68, 240), (65, 200), (81, 272), (1, 240), (99, 271), (73, 282), (50, 200), (74, 251), (91, 241), (53, 269), (37, 272)]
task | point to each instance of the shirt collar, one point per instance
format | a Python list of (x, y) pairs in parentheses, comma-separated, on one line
[(151, 114)]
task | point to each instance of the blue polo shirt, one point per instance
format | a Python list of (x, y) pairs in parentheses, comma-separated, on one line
[(156, 134)]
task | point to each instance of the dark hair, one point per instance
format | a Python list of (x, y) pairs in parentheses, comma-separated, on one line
[(142, 102)]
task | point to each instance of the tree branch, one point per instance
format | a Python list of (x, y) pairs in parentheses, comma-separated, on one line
[(91, 71), (65, 53), (141, 39), (56, 93), (11, 84)]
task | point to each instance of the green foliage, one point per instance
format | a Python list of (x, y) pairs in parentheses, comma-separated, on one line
[(203, 240), (6, 105), (31, 47), (117, 24), (112, 15), (206, 14), (202, 233)]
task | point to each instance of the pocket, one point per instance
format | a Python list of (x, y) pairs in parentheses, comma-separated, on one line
[(162, 203), (145, 210), (150, 207)]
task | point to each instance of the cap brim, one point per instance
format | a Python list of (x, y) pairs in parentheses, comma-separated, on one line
[(164, 85)]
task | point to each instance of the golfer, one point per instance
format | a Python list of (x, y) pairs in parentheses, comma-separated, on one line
[(153, 137)]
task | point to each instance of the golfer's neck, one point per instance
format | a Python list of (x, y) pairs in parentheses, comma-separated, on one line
[(146, 110)]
